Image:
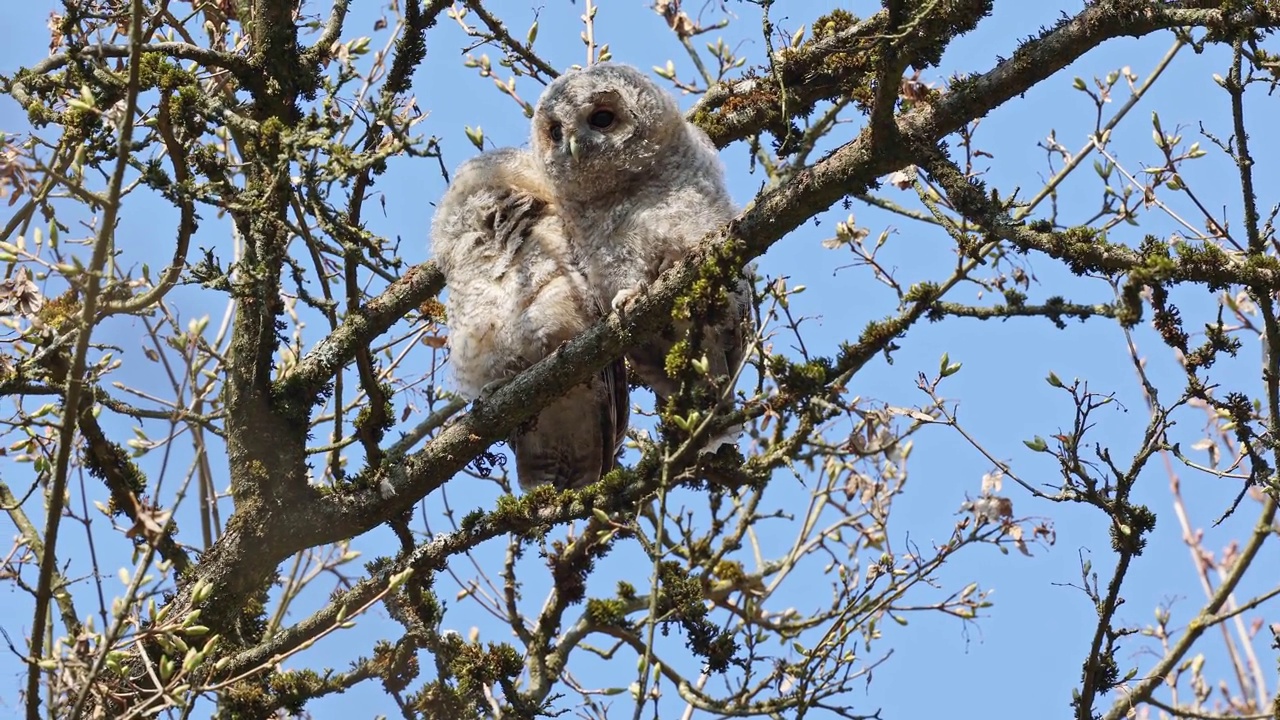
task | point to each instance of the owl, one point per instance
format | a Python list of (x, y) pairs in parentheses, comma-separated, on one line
[(516, 294), (639, 187)]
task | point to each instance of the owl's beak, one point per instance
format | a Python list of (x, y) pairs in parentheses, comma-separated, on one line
[(573, 147)]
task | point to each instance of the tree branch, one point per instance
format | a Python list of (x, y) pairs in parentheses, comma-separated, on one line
[(419, 284), (75, 376), (503, 37), (1055, 311), (1084, 249)]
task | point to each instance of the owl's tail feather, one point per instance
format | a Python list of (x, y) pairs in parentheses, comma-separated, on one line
[(574, 439), (616, 386)]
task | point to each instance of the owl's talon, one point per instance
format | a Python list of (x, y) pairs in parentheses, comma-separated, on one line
[(489, 389), (625, 300)]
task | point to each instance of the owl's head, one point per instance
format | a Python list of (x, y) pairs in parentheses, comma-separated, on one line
[(595, 130), (488, 210)]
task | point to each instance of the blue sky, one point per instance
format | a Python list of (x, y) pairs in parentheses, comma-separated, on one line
[(1022, 658)]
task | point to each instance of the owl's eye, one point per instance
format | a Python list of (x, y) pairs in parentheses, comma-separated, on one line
[(556, 132), (601, 119)]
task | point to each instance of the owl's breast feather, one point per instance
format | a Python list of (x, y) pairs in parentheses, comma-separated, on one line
[(476, 337)]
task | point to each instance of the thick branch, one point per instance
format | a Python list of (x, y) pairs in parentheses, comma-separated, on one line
[(419, 284), (514, 516)]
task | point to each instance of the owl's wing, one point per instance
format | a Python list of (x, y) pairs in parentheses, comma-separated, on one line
[(512, 219)]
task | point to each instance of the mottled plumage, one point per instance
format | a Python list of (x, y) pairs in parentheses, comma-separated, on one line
[(515, 295), (639, 187)]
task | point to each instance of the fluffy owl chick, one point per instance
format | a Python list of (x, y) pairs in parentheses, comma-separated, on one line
[(515, 295), (639, 187)]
